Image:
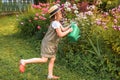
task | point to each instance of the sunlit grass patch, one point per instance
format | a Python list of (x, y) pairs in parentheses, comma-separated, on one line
[(7, 25)]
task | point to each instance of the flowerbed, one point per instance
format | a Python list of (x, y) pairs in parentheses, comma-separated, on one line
[(96, 54)]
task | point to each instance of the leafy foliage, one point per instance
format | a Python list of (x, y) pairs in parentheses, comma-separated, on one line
[(90, 56), (33, 23), (109, 4), (95, 56)]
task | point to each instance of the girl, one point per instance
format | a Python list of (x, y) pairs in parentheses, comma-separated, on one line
[(50, 42)]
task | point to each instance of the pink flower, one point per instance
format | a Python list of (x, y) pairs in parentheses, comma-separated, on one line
[(42, 18), (44, 10), (105, 14), (34, 6), (47, 4), (105, 27), (114, 27), (62, 5), (119, 28), (38, 6), (35, 18), (36, 14), (98, 22), (38, 27), (44, 4), (115, 21), (89, 13), (115, 16), (58, 1), (40, 3), (118, 9), (103, 23)]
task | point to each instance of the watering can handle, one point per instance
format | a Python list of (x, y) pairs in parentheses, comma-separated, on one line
[(69, 26), (73, 23)]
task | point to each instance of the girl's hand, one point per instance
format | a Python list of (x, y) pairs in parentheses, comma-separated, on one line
[(70, 29)]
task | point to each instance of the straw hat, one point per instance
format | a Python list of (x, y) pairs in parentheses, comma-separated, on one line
[(54, 9)]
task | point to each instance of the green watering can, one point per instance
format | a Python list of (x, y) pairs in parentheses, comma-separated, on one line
[(75, 34)]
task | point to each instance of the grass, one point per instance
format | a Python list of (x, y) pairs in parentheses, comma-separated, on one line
[(13, 48)]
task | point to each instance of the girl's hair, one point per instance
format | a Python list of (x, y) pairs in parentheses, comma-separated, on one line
[(52, 18)]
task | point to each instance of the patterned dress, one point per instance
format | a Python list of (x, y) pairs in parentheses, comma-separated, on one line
[(50, 43)]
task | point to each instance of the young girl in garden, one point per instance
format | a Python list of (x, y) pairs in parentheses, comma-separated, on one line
[(50, 42)]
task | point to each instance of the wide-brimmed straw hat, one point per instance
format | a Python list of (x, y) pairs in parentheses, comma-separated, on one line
[(54, 9)]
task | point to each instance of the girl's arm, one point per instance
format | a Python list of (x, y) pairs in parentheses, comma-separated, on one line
[(62, 33), (65, 28)]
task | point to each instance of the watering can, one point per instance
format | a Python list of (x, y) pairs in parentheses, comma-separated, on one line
[(75, 34)]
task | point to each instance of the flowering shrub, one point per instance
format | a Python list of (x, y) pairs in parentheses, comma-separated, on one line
[(70, 10), (34, 22), (111, 23), (92, 53), (113, 16), (31, 24)]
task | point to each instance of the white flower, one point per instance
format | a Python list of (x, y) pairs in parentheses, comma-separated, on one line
[(84, 17), (75, 7), (68, 9), (81, 14), (74, 4), (89, 13), (67, 4), (76, 12), (92, 7)]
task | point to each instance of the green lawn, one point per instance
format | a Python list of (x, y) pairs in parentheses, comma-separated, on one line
[(13, 48)]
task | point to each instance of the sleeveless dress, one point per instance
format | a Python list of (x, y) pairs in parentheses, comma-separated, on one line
[(49, 43)]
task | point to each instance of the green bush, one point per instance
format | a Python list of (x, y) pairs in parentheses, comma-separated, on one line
[(110, 30), (112, 39), (109, 4), (90, 56), (31, 25)]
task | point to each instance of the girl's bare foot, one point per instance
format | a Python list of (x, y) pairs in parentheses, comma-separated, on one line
[(53, 77)]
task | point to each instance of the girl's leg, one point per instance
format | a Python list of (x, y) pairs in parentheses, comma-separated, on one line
[(34, 60), (50, 69)]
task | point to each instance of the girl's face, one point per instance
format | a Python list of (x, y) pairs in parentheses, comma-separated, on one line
[(58, 15)]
